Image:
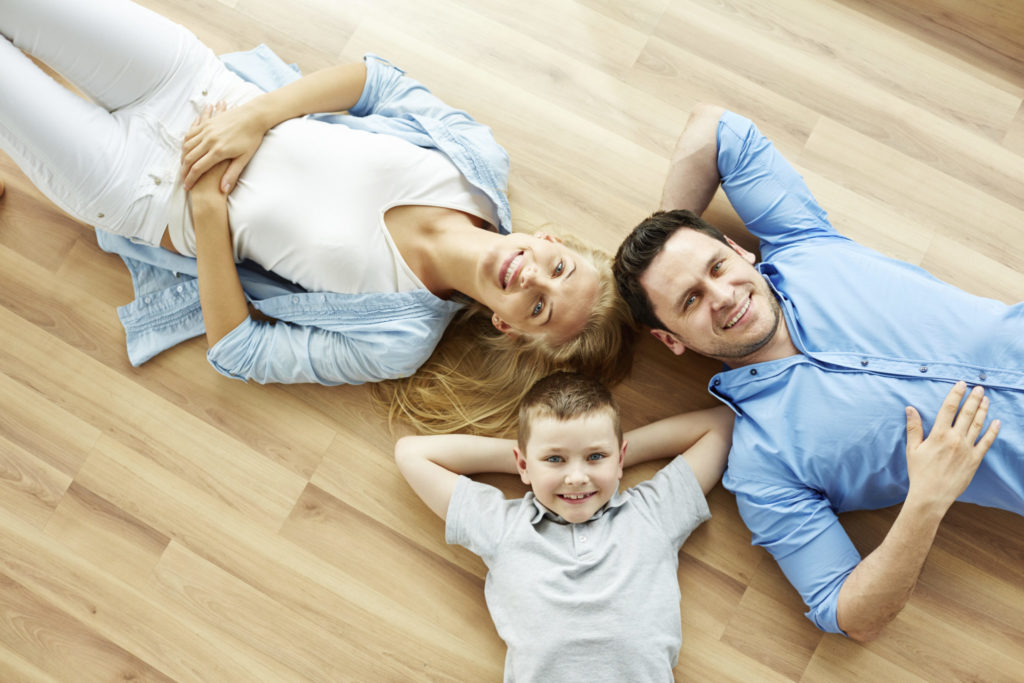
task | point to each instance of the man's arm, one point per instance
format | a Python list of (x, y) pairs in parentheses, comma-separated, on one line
[(432, 464), (702, 436), (693, 178), (940, 468), (236, 134)]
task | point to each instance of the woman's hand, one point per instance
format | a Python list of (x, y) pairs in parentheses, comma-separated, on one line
[(221, 135)]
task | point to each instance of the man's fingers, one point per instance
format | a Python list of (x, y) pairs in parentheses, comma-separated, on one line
[(914, 430), (978, 421), (947, 413), (989, 436), (965, 418)]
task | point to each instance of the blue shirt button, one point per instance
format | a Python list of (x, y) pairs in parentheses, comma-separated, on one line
[(717, 382), (864, 362), (982, 376), (923, 368), (753, 371)]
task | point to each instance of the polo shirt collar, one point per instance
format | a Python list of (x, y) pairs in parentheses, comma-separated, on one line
[(540, 512)]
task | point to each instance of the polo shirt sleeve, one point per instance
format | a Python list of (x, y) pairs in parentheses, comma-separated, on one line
[(476, 518), (765, 190), (673, 500), (799, 528)]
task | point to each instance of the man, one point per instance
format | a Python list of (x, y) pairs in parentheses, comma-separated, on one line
[(825, 341)]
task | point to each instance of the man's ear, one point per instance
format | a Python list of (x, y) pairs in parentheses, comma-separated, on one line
[(502, 326), (674, 343), (748, 256), (521, 465)]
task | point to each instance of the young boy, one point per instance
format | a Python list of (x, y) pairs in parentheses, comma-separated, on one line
[(582, 579)]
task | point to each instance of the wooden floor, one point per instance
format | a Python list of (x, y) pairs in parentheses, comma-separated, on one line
[(163, 522)]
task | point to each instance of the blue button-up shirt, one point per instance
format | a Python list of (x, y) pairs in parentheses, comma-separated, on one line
[(824, 432), (322, 337)]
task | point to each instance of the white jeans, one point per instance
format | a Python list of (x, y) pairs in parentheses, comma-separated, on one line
[(112, 162)]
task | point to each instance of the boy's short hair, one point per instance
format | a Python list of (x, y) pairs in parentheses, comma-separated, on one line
[(564, 396)]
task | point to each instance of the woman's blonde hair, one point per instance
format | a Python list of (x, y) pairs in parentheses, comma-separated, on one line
[(477, 375)]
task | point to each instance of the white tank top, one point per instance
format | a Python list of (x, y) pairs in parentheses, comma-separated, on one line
[(310, 205)]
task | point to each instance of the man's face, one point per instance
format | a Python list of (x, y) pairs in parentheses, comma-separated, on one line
[(711, 298), (574, 466)]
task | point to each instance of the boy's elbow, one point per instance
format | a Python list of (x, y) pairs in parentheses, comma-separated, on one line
[(403, 449)]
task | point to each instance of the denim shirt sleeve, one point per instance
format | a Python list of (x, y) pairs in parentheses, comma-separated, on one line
[(764, 189), (798, 527)]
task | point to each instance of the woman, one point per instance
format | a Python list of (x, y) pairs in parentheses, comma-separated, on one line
[(362, 236)]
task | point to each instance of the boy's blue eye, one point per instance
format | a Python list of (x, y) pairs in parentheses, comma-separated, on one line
[(553, 458)]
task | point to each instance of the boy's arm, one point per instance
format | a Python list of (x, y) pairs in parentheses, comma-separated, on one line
[(432, 464), (703, 437)]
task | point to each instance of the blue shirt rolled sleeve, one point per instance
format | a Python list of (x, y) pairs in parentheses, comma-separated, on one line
[(798, 527), (768, 194)]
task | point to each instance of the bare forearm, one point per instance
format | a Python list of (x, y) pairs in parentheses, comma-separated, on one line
[(220, 291), (432, 464), (679, 433), (879, 587), (693, 177), (462, 454), (336, 88)]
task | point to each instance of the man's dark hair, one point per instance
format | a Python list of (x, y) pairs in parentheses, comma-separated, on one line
[(641, 247)]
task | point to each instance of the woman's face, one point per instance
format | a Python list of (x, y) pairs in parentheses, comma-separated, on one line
[(537, 286)]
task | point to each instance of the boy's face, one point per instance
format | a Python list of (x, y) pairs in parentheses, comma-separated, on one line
[(574, 466)]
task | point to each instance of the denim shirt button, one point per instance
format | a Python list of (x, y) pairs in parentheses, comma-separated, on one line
[(146, 300), (295, 299), (982, 376), (717, 382), (923, 368), (864, 362), (180, 288), (753, 371)]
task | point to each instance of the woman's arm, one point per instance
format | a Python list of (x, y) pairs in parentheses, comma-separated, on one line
[(703, 437), (236, 134), (432, 464), (220, 291)]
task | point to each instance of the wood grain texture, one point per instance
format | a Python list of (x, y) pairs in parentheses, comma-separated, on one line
[(165, 523)]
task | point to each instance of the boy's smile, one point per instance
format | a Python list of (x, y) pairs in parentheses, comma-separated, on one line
[(574, 466)]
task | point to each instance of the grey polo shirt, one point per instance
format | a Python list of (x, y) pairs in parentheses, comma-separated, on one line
[(597, 601)]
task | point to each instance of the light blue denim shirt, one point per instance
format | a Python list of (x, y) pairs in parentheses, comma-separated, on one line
[(322, 337), (824, 432)]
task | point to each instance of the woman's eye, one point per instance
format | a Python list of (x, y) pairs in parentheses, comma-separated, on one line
[(558, 269), (537, 308), (717, 267), (690, 301)]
